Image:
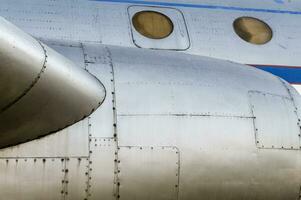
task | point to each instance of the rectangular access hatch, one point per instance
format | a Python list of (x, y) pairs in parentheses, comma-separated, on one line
[(276, 122)]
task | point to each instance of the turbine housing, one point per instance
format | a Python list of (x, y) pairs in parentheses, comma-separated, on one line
[(41, 90)]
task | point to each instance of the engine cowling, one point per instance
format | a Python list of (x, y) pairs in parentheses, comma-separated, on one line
[(41, 90)]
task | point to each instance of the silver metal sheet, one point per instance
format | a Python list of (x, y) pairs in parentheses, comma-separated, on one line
[(70, 142), (148, 173), (210, 30), (71, 50), (16, 48), (102, 166), (149, 83), (276, 121), (31, 179), (76, 180), (187, 132), (61, 95), (98, 63)]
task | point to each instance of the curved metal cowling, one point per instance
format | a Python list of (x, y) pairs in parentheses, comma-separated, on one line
[(41, 90)]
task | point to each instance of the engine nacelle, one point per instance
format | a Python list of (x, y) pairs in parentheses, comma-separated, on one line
[(41, 90)]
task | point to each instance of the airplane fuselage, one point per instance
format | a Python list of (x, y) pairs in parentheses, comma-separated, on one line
[(180, 118)]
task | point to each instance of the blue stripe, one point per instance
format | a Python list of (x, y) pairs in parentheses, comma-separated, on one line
[(290, 74), (229, 8)]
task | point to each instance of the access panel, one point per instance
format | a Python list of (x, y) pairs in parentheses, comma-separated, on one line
[(276, 122)]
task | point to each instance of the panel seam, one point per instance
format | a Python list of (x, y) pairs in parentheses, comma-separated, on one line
[(34, 82), (115, 132)]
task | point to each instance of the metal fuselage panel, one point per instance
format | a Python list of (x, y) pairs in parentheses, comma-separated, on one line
[(173, 125), (209, 27), (168, 129)]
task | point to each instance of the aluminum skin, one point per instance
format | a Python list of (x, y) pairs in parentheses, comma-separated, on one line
[(173, 125), (41, 91)]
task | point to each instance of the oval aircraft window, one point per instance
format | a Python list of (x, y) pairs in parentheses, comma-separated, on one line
[(253, 30), (152, 24)]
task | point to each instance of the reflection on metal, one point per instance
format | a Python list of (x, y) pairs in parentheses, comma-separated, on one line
[(162, 99), (149, 172), (253, 30), (152, 24), (41, 90)]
